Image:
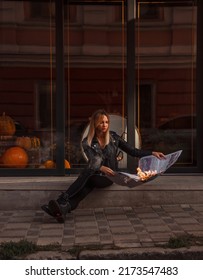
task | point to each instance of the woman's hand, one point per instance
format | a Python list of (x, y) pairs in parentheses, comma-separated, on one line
[(159, 155), (106, 170)]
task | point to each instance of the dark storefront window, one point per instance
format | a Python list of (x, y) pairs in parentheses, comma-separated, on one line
[(166, 78), (61, 60), (27, 84), (95, 52)]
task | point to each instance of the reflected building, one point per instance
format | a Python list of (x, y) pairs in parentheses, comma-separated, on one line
[(62, 60)]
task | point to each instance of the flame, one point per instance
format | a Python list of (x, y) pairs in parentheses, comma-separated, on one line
[(145, 175)]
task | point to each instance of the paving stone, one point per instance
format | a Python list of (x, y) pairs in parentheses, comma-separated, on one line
[(158, 237), (14, 233), (83, 212), (20, 219), (161, 229), (52, 226), (102, 223), (126, 238), (9, 239), (7, 213), (185, 221), (115, 223), (113, 210), (139, 228), (128, 244), (87, 232), (174, 227), (192, 227), (178, 233), (188, 209), (104, 230), (121, 230), (198, 207), (195, 214), (157, 208), (180, 214), (152, 221), (32, 239), (45, 240), (100, 216), (3, 220), (68, 241), (33, 232), (105, 238), (87, 224), (50, 233), (172, 208), (86, 240), (145, 239), (135, 221), (84, 218), (196, 233), (36, 226), (17, 226), (126, 227), (146, 209), (68, 232), (163, 214), (116, 217), (147, 215), (168, 220), (185, 206), (147, 244), (128, 209), (99, 210), (200, 220), (23, 213)]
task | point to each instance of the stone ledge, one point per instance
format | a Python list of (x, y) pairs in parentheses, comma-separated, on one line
[(164, 182), (31, 193)]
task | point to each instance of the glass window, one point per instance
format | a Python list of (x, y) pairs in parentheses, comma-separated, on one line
[(27, 84), (166, 59), (95, 52)]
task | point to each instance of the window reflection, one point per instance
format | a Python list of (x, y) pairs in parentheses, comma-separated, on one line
[(166, 56), (95, 68), (27, 50)]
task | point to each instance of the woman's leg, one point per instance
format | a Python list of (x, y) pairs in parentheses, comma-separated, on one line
[(55, 208), (95, 180), (69, 200)]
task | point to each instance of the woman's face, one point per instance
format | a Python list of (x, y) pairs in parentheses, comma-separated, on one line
[(103, 124)]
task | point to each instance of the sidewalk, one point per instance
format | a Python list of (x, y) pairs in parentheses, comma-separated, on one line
[(108, 233)]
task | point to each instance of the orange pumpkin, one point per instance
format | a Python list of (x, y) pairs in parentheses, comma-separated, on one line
[(7, 126), (14, 157), (23, 142), (51, 164), (28, 142), (67, 164)]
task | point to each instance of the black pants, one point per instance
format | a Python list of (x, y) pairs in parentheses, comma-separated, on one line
[(84, 184)]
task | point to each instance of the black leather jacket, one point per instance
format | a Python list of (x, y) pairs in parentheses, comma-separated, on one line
[(108, 156)]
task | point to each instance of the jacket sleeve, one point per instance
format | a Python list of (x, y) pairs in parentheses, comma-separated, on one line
[(132, 151), (94, 157)]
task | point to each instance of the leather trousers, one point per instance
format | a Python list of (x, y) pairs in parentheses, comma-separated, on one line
[(84, 184)]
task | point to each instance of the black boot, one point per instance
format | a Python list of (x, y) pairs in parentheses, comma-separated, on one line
[(46, 209), (60, 207)]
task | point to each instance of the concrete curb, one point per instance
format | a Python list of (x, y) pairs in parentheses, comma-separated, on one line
[(192, 253)]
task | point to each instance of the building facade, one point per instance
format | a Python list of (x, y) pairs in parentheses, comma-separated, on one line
[(62, 60)]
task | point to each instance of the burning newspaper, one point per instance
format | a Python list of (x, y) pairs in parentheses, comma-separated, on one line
[(149, 168)]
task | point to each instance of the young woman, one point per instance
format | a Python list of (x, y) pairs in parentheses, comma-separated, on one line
[(100, 147)]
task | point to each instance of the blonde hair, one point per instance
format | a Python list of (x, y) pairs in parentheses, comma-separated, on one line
[(94, 123)]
